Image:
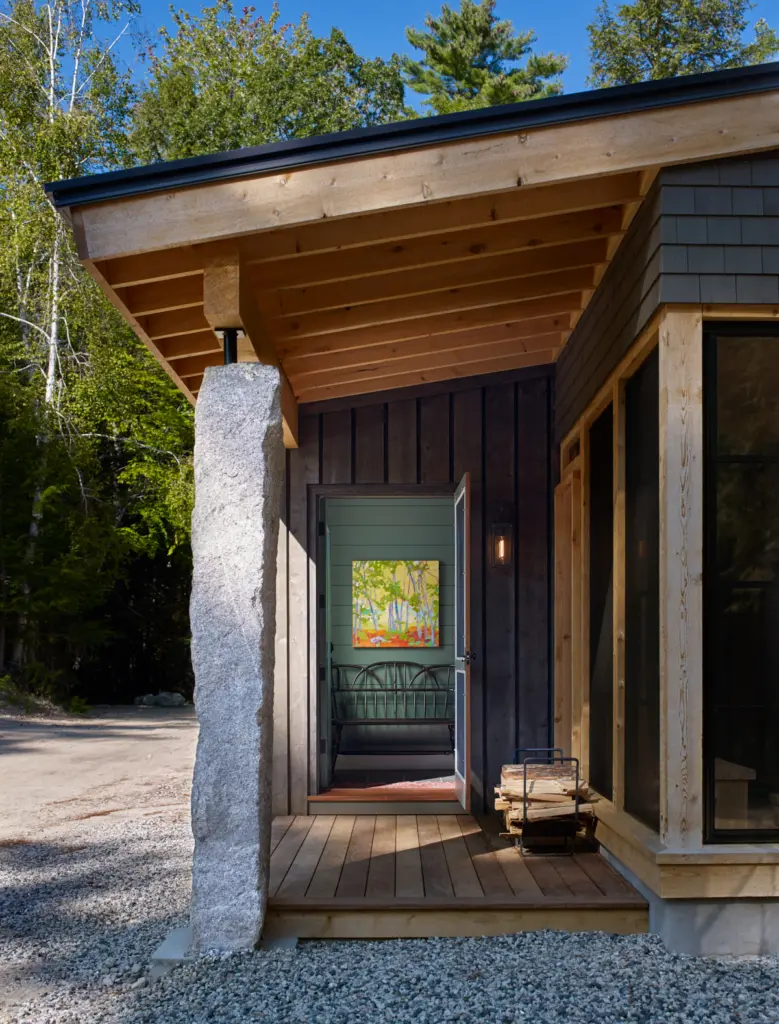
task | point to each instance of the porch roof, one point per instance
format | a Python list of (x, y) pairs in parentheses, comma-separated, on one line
[(406, 253)]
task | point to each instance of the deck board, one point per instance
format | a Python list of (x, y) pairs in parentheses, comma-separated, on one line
[(286, 851), (491, 876), (354, 874), (381, 873), (465, 881), (435, 872), (328, 871), (302, 868), (408, 863), (380, 876)]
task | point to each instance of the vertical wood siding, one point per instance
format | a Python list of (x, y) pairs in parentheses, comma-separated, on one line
[(499, 431)]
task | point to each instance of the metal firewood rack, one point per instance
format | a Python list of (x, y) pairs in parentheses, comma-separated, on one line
[(547, 762)]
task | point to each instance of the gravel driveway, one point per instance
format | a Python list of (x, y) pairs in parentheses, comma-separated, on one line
[(95, 872)]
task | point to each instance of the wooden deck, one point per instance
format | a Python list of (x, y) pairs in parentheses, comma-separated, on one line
[(387, 876)]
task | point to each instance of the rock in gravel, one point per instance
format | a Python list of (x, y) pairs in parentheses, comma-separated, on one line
[(169, 700)]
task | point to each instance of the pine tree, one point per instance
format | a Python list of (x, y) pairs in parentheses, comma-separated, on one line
[(649, 39), (471, 59)]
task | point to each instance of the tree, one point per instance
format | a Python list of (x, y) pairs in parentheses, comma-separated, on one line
[(222, 81), (95, 441), (650, 39), (471, 59)]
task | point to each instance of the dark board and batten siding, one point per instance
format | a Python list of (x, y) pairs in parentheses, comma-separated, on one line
[(707, 233), (496, 428)]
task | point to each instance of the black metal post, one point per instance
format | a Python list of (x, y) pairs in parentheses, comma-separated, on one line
[(230, 336)]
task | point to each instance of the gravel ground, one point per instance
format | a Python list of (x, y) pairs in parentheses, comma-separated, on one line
[(84, 903)]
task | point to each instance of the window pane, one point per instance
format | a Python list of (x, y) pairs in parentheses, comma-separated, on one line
[(748, 400), (642, 595), (748, 521), (741, 573), (601, 601)]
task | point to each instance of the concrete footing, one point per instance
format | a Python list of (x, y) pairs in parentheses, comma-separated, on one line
[(174, 950), (712, 927)]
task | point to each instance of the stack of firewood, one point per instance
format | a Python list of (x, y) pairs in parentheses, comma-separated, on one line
[(550, 796)]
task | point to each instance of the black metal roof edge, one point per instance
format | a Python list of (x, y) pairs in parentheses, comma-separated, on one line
[(278, 157)]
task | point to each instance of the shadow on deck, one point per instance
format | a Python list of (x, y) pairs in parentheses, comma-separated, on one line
[(415, 876)]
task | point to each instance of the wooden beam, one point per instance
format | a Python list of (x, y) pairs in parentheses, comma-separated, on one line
[(148, 267), (159, 296), (582, 671), (436, 303), (681, 572), (399, 380), (228, 302), (446, 248), (562, 616), (175, 323), (139, 327), (576, 613), (195, 366), (511, 315), (534, 334), (199, 344), (404, 283), (618, 604), (536, 156), (425, 361), (452, 215)]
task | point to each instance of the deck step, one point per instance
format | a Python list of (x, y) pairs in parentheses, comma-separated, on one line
[(381, 875)]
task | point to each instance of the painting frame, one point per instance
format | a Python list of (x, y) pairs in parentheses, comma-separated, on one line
[(396, 603)]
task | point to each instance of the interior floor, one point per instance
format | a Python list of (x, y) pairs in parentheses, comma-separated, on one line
[(390, 784)]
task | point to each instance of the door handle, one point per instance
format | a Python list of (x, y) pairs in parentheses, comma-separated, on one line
[(470, 656)]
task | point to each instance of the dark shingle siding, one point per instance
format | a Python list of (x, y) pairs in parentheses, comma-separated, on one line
[(707, 233)]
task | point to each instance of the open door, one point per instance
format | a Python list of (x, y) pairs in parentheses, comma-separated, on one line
[(462, 652)]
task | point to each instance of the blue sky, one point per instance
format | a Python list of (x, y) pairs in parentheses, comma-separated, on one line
[(377, 27)]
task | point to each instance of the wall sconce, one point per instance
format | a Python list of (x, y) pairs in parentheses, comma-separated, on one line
[(501, 544)]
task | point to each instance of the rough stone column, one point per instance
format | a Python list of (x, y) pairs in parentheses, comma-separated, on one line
[(238, 478)]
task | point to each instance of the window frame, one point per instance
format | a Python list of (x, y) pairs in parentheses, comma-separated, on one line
[(712, 331)]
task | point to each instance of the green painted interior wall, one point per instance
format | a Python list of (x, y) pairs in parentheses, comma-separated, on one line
[(389, 528)]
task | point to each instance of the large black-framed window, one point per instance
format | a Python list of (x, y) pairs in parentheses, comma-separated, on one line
[(601, 600), (741, 582), (642, 594)]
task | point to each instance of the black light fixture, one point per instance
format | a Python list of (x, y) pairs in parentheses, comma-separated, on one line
[(501, 544)]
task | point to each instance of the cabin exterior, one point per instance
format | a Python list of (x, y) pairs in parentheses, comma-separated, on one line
[(537, 345)]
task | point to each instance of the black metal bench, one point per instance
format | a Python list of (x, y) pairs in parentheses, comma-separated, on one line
[(392, 693)]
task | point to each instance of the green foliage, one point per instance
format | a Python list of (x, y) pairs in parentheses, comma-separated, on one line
[(78, 706), (649, 39), (223, 80), (471, 59), (95, 441)]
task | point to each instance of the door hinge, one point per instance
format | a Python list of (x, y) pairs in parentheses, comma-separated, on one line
[(321, 527)]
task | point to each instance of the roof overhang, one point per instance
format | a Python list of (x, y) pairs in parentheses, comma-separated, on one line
[(400, 254)]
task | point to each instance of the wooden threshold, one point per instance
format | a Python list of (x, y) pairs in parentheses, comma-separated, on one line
[(380, 794), (416, 875)]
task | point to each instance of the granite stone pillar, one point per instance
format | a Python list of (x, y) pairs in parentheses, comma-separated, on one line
[(239, 467)]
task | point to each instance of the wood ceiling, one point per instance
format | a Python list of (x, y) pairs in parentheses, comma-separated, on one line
[(379, 272), (364, 303)]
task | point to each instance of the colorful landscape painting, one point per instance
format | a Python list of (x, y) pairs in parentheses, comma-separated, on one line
[(395, 604)]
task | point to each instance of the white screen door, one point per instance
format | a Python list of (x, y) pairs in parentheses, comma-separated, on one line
[(462, 652)]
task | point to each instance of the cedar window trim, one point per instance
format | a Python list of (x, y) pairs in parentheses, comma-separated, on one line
[(575, 473)]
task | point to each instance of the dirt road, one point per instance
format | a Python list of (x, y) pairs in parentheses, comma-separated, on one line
[(118, 762)]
